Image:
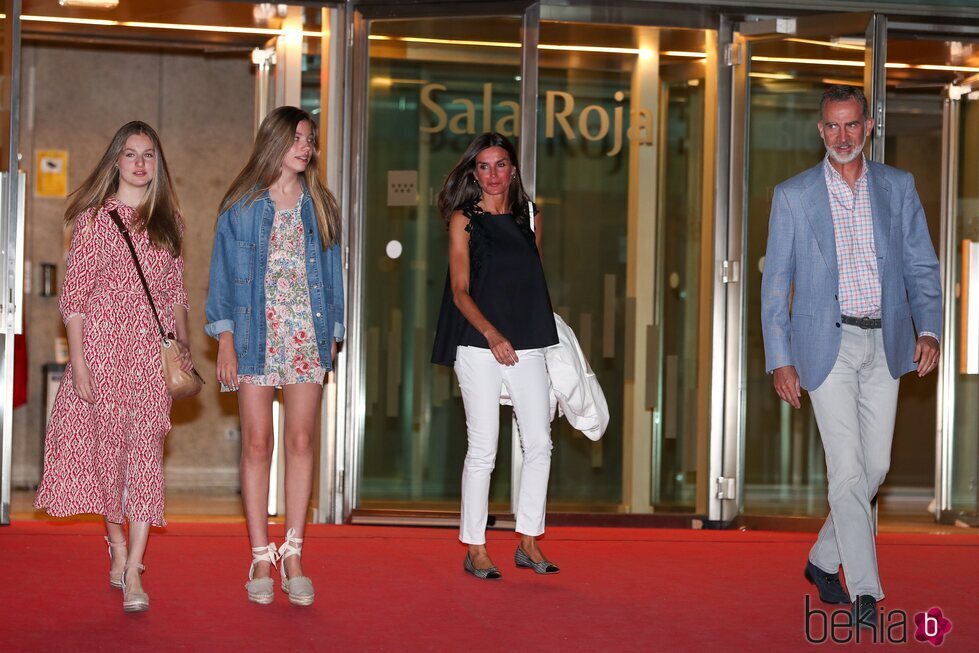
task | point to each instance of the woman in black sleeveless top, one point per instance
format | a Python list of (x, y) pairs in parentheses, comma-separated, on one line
[(495, 322)]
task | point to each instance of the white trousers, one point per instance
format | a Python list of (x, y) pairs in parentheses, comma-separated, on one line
[(481, 378), (855, 408)]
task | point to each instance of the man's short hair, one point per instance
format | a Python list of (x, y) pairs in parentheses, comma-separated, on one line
[(842, 93)]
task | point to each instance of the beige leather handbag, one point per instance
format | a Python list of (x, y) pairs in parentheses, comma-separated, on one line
[(180, 384)]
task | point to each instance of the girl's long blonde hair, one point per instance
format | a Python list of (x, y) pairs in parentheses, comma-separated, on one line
[(275, 137), (158, 213)]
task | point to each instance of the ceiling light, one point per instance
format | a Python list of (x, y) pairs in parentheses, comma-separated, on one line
[(588, 48), (683, 53), (168, 26), (781, 76), (842, 82), (830, 44), (90, 4), (817, 62), (954, 69), (543, 46)]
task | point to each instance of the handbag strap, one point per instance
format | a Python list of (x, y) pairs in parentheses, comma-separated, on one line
[(114, 214)]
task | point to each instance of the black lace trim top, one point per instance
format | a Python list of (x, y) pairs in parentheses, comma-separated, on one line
[(506, 280)]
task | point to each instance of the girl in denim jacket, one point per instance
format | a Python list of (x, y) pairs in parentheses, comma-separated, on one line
[(275, 306)]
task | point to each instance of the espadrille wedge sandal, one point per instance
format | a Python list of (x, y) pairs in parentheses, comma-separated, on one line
[(134, 601), (261, 590), (299, 588)]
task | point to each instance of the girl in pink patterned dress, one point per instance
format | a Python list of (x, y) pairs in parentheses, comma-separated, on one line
[(103, 452), (275, 305)]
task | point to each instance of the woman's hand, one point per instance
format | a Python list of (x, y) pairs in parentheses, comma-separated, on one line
[(227, 367), (184, 356), (502, 350), (81, 380)]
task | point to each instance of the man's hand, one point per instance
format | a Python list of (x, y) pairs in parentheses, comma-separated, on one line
[(926, 354), (787, 385)]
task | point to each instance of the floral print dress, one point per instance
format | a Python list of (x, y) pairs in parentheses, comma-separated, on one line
[(291, 354)]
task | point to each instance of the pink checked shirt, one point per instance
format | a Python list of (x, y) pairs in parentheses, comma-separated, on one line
[(856, 254)]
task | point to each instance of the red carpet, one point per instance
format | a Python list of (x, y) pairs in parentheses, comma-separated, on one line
[(403, 589)]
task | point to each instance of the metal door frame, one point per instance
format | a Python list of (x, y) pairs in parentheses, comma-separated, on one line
[(11, 250), (946, 379)]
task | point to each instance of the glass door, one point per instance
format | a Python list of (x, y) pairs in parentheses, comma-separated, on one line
[(616, 155), (931, 133), (781, 67), (957, 470), (621, 154), (11, 237), (432, 85)]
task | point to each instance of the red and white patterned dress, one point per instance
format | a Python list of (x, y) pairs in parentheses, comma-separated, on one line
[(107, 457)]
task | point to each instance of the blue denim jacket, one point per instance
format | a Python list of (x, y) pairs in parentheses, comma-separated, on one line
[(236, 294)]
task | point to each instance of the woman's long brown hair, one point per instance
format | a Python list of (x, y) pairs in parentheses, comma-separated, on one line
[(158, 214), (460, 187), (275, 137)]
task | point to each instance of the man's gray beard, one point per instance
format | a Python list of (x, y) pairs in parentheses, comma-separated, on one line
[(853, 156)]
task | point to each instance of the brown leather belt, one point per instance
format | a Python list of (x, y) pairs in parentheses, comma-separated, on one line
[(862, 322)]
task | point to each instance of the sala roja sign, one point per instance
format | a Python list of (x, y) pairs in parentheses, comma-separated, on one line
[(591, 122)]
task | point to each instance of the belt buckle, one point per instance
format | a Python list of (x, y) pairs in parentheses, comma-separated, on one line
[(865, 323)]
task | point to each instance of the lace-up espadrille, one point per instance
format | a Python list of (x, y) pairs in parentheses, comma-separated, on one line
[(523, 560), (115, 577), (490, 573), (134, 601), (261, 590), (299, 588)]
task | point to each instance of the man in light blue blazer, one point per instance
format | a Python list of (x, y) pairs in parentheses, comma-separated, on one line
[(851, 300)]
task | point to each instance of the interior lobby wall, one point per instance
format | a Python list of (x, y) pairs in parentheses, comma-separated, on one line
[(74, 99)]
